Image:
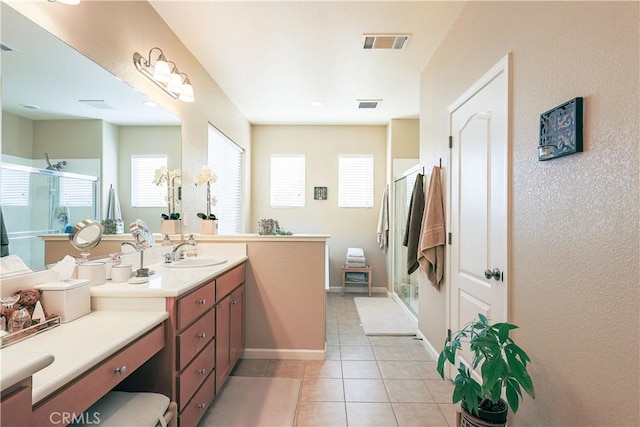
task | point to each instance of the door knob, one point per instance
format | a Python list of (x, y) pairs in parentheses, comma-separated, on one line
[(496, 274)]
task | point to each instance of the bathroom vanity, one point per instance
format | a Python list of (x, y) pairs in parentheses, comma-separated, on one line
[(55, 373)]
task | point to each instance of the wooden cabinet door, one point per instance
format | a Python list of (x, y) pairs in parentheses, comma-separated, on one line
[(223, 362), (237, 325)]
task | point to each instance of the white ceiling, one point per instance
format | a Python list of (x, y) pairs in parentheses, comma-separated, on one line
[(273, 58)]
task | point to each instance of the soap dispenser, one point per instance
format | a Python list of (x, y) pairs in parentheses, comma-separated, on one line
[(192, 249)]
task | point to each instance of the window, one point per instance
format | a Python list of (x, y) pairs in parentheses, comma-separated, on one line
[(287, 180), (144, 192), (225, 159), (76, 192), (355, 181), (15, 187)]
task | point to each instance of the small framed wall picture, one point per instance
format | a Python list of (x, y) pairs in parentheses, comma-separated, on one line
[(561, 130), (320, 193)]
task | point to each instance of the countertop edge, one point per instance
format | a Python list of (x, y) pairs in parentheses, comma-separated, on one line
[(29, 364)]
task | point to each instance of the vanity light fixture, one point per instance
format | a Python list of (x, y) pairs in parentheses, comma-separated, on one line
[(165, 75)]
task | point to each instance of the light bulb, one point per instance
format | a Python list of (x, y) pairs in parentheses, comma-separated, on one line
[(175, 84), (161, 72), (187, 92)]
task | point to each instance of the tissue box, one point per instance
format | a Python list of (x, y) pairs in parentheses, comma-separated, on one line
[(69, 300)]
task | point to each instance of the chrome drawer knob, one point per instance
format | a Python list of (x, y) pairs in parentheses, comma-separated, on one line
[(200, 405), (121, 370), (201, 335), (202, 371), (201, 301)]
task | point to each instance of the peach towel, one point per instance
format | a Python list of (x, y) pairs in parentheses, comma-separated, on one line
[(432, 233)]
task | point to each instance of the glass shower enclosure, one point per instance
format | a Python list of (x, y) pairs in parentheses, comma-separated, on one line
[(38, 201), (405, 285)]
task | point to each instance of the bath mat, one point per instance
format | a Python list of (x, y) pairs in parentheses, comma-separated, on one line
[(384, 316), (255, 401)]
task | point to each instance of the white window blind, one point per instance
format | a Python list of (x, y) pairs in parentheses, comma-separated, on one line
[(225, 159), (75, 192), (15, 188), (144, 193), (287, 180), (355, 181)]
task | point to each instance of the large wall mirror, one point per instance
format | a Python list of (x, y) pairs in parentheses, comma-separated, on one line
[(70, 130)]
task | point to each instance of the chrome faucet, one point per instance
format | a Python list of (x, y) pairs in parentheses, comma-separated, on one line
[(141, 272), (177, 252), (133, 245)]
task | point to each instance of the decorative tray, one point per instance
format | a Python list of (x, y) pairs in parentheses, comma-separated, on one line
[(25, 333)]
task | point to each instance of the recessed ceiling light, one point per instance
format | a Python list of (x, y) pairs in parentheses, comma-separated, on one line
[(69, 2), (149, 104), (30, 106), (317, 103)]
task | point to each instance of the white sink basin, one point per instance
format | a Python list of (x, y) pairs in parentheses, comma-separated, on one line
[(195, 262)]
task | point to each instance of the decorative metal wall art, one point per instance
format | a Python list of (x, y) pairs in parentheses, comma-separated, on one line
[(561, 130), (320, 193)]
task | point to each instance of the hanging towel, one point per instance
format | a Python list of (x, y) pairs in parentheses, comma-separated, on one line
[(383, 222), (432, 235), (412, 231), (4, 237), (113, 223)]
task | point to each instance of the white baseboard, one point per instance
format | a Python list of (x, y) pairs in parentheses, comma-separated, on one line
[(428, 346), (284, 354)]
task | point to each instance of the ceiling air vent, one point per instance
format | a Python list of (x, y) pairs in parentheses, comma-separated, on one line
[(385, 41), (368, 103), (96, 103)]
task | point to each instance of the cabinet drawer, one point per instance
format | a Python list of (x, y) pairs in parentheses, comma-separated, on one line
[(198, 406), (87, 389), (229, 281), (195, 373), (194, 338), (16, 408), (192, 306)]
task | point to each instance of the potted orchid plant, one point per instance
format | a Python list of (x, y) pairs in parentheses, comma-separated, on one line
[(170, 223), (209, 221)]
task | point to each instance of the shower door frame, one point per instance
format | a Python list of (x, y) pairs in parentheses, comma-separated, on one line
[(398, 221)]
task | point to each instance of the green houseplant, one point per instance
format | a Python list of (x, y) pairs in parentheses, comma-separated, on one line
[(503, 366)]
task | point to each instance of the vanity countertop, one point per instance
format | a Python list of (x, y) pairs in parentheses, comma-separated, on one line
[(57, 356), (167, 281), (18, 365)]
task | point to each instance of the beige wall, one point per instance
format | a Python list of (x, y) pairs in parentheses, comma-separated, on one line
[(109, 164), (322, 145), (574, 258), (285, 299), (17, 136), (161, 140), (109, 33), (67, 139)]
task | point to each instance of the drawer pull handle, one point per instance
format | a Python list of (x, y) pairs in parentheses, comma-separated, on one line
[(234, 301), (201, 335), (202, 371), (201, 301), (121, 370), (200, 405)]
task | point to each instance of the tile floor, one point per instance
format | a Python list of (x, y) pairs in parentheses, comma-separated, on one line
[(365, 381)]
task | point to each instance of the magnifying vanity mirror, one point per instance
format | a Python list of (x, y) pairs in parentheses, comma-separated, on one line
[(86, 234), (87, 123), (142, 234)]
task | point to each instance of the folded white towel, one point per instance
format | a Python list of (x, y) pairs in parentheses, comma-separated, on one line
[(356, 264), (356, 259), (355, 252)]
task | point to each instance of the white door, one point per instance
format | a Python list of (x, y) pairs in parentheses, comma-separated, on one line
[(479, 222)]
